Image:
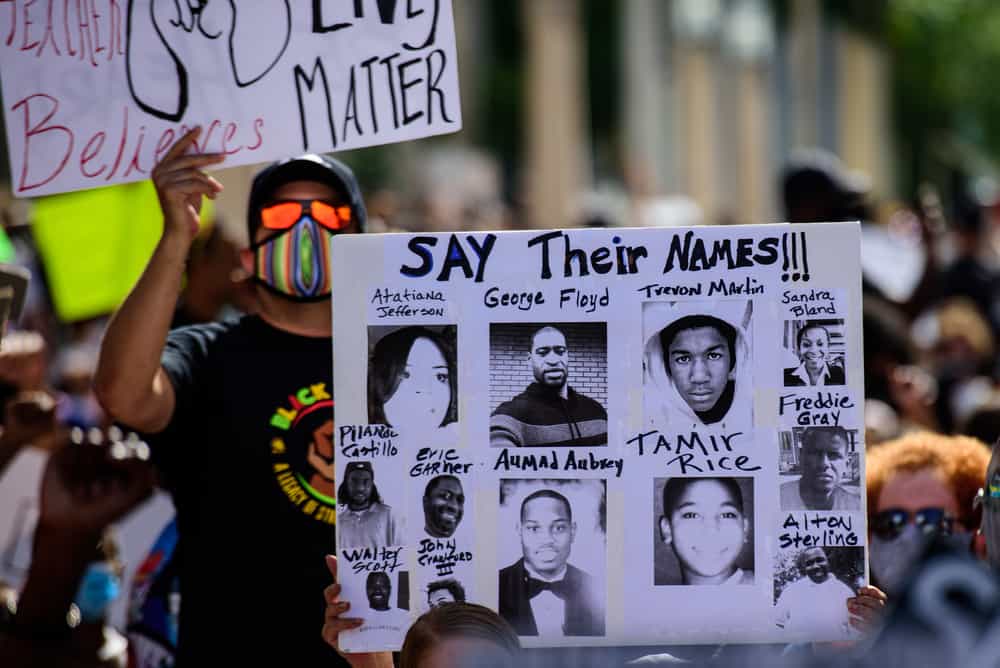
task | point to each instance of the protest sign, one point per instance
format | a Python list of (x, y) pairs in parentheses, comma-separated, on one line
[(624, 436), (96, 92), (117, 236)]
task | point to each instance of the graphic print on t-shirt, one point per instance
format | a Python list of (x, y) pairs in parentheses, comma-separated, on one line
[(302, 451)]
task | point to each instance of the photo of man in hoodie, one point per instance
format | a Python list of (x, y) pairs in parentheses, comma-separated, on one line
[(696, 364)]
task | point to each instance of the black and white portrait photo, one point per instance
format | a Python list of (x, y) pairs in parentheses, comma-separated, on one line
[(412, 379), (697, 363), (552, 581), (815, 349), (444, 506), (387, 591), (819, 469), (548, 384), (704, 531), (444, 591), (812, 585), (363, 517)]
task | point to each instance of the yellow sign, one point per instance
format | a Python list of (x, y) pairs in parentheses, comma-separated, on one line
[(94, 245)]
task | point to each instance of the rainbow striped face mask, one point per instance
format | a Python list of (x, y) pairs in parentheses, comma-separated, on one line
[(295, 262)]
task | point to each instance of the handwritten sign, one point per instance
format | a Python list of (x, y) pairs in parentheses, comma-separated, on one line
[(96, 92), (633, 436)]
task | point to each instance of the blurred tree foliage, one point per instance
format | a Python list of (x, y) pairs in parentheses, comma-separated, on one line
[(944, 54)]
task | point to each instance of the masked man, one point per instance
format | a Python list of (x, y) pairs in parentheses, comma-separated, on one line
[(225, 403)]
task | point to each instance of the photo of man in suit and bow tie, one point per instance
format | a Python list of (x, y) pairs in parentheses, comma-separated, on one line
[(542, 593)]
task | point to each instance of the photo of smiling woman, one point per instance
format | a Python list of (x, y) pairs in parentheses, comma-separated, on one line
[(412, 379), (819, 346), (697, 364), (704, 531)]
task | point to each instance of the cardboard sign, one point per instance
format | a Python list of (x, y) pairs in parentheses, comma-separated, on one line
[(117, 236), (96, 92), (628, 436)]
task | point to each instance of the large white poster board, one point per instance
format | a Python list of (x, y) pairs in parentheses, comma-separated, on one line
[(629, 436), (95, 92)]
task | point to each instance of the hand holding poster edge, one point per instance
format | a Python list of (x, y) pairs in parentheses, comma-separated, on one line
[(334, 623)]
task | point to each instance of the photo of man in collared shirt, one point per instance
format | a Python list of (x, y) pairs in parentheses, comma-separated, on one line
[(824, 461), (542, 593), (363, 520)]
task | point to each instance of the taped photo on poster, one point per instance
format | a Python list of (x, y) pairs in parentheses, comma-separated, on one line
[(820, 469), (364, 519), (811, 588), (412, 381), (697, 364), (704, 531), (552, 584), (816, 351), (548, 384), (591, 433)]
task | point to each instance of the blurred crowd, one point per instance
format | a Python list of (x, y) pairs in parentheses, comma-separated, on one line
[(931, 320)]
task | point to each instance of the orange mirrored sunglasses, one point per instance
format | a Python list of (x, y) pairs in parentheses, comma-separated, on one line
[(285, 213)]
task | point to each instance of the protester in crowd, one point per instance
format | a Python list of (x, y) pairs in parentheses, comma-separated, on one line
[(696, 364), (703, 521), (28, 418), (100, 586), (958, 348), (984, 422), (817, 365), (154, 604), (364, 520), (988, 503), (222, 398), (77, 405), (816, 188), (970, 274), (549, 412), (920, 486), (412, 382), (29, 408), (460, 635), (62, 611)]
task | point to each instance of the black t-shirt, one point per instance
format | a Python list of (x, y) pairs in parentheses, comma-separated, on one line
[(248, 458)]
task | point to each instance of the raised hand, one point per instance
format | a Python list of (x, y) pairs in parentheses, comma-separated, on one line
[(92, 481), (181, 183)]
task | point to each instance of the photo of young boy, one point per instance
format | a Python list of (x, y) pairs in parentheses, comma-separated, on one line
[(708, 530)]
